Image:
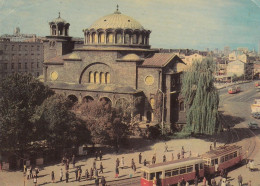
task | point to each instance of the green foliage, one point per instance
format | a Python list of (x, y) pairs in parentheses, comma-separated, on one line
[(107, 125), (19, 96), (55, 123), (201, 98)]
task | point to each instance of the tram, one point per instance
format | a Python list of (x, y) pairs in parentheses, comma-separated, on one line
[(169, 173), (209, 163), (234, 90), (222, 157)]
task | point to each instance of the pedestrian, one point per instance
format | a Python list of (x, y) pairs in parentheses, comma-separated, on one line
[(240, 180), (101, 168), (37, 171), (73, 160), (122, 162), (215, 144), (96, 173), (178, 156), (134, 168), (165, 147), (140, 158), (164, 158), (213, 182), (182, 153), (117, 172), (52, 177), (100, 155), (86, 174), (117, 162), (145, 162), (67, 176), (31, 174), (210, 147), (24, 168), (28, 174), (183, 182), (61, 174), (204, 181), (79, 173), (94, 164), (97, 181), (153, 160), (96, 155), (91, 173), (76, 174), (132, 163), (103, 181), (35, 180), (172, 157)]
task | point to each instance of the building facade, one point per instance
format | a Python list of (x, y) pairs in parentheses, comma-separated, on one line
[(116, 64)]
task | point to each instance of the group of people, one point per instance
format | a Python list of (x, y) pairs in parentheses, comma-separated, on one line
[(31, 173)]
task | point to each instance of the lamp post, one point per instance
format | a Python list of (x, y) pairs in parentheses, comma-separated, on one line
[(162, 111)]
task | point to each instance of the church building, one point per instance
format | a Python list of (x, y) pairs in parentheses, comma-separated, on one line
[(117, 64)]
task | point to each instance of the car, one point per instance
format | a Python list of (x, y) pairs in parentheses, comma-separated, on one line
[(253, 125), (256, 115)]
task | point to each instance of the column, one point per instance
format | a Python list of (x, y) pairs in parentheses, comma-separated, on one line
[(105, 37), (123, 35), (114, 37)]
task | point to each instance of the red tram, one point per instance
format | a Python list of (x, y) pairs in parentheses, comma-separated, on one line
[(234, 90), (170, 173)]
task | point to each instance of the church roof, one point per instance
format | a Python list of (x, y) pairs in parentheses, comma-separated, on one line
[(116, 20), (159, 59)]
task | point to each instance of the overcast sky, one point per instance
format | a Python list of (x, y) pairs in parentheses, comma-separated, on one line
[(194, 24)]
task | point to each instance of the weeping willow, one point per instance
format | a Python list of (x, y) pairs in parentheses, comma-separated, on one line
[(201, 98)]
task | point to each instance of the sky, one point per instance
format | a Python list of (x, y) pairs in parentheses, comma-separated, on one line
[(193, 24)]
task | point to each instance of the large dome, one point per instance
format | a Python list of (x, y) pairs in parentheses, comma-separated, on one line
[(117, 20)]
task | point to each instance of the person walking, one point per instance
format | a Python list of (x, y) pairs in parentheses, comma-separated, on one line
[(91, 173), (103, 181), (164, 158), (117, 162), (165, 147), (145, 162), (132, 163), (117, 172), (35, 180), (86, 174), (178, 156), (52, 177), (67, 176), (97, 181), (79, 173), (76, 174), (31, 174), (101, 168), (96, 173), (61, 174), (134, 168), (122, 162), (94, 164), (240, 180), (140, 158)]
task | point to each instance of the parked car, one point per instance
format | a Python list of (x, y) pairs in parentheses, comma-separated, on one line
[(256, 115), (253, 125)]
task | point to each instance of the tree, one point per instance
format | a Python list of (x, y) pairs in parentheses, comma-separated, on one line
[(107, 125), (19, 96), (201, 98), (58, 125)]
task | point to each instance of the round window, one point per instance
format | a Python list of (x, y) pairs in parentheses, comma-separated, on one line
[(149, 80), (54, 75)]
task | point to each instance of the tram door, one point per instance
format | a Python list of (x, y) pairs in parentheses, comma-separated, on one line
[(159, 178)]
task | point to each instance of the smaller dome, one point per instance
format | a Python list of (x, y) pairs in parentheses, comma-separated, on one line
[(131, 57), (59, 20)]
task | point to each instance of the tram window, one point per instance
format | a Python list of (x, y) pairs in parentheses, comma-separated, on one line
[(226, 157), (152, 175), (144, 175), (196, 166), (212, 162), (216, 161), (235, 154), (182, 170), (189, 168), (201, 165), (175, 172), (222, 159), (230, 156), (168, 174)]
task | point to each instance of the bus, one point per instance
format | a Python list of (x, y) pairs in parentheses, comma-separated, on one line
[(172, 172)]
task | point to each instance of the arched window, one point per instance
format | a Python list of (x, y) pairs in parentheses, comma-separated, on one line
[(102, 38), (135, 39), (140, 39), (118, 38), (97, 77), (103, 78), (152, 102), (127, 39), (107, 77), (110, 38), (53, 29), (91, 77)]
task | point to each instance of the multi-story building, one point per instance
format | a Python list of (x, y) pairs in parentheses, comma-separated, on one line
[(20, 57)]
